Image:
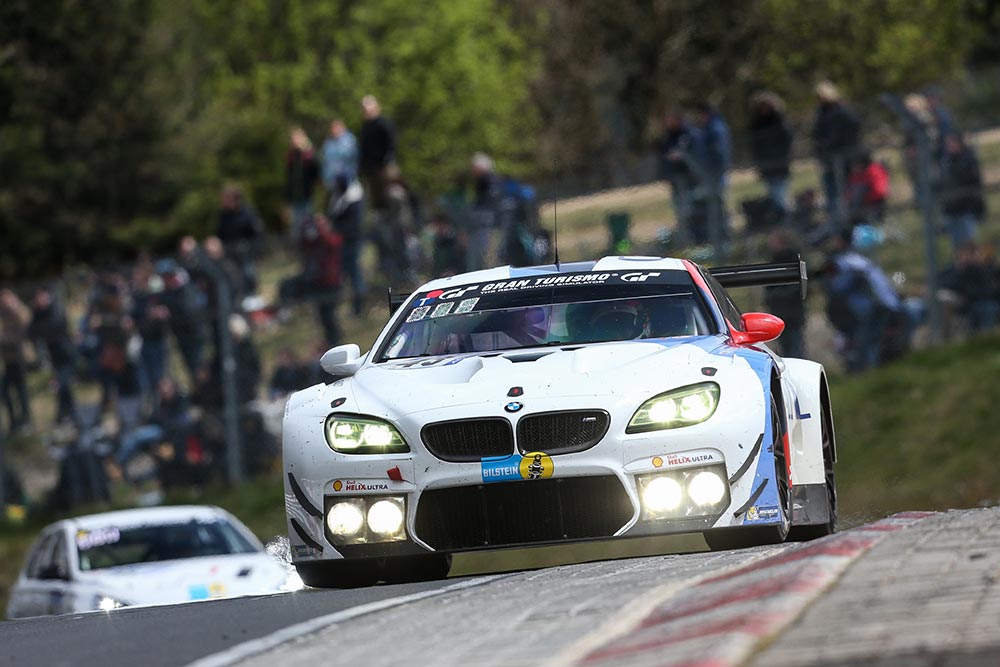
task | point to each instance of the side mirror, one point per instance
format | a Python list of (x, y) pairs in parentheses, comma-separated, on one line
[(758, 328), (341, 360)]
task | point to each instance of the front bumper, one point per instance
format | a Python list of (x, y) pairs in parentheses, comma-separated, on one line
[(600, 503)]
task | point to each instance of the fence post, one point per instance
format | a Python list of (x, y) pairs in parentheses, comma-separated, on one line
[(230, 402), (3, 479), (928, 205)]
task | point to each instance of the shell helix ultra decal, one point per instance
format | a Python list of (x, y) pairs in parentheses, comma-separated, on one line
[(533, 465)]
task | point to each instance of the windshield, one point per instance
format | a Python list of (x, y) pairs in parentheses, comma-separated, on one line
[(114, 547), (527, 313)]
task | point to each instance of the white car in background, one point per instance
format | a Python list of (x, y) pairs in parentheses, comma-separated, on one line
[(154, 556)]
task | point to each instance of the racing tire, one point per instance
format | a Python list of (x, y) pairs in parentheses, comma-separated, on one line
[(407, 569), (339, 574), (816, 531), (744, 537)]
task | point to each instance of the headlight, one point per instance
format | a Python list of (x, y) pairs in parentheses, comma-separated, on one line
[(346, 518), (661, 494), (385, 517), (107, 603), (365, 519), (681, 407), (706, 488), (348, 434)]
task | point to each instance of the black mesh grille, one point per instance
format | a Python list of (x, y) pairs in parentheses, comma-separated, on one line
[(562, 432), (469, 439), (518, 513)]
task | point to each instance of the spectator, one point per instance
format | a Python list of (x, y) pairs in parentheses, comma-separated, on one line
[(15, 317), (170, 421), (397, 254), (117, 348), (376, 150), (975, 280), (961, 190), (924, 123), (152, 319), (314, 369), (186, 301), (483, 215), (867, 189), (339, 155), (289, 375), (346, 212), (675, 153), (301, 174), (219, 269), (241, 232), (713, 154), (49, 328), (943, 119), (248, 369), (837, 139), (786, 301), (771, 145), (322, 249), (449, 252), (863, 306)]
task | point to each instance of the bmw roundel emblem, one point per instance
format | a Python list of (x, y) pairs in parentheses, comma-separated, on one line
[(513, 406)]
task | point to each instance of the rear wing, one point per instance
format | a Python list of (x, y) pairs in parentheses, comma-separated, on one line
[(396, 300), (746, 275), (762, 275)]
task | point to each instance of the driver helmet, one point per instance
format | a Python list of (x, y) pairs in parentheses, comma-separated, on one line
[(605, 321)]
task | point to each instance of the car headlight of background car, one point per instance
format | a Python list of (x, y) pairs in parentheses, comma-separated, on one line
[(352, 434), (685, 406), (107, 603)]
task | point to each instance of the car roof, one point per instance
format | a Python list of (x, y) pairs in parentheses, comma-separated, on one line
[(146, 515), (611, 263)]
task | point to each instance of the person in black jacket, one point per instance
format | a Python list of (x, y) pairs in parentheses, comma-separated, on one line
[(376, 150), (675, 152), (301, 175), (771, 145), (837, 139), (346, 214), (240, 230), (48, 327), (961, 190), (786, 301)]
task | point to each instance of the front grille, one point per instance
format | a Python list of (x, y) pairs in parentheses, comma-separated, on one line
[(562, 432), (519, 513), (468, 440)]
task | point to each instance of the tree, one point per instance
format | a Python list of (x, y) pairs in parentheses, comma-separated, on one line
[(78, 128), (453, 76)]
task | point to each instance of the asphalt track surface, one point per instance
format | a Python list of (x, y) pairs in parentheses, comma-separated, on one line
[(919, 589), (176, 634)]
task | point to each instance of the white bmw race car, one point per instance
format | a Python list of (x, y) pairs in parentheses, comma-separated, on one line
[(525, 406)]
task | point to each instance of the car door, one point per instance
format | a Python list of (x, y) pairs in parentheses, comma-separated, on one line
[(57, 579), (30, 596), (47, 578)]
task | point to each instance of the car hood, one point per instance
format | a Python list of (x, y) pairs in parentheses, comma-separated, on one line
[(169, 582), (607, 369)]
